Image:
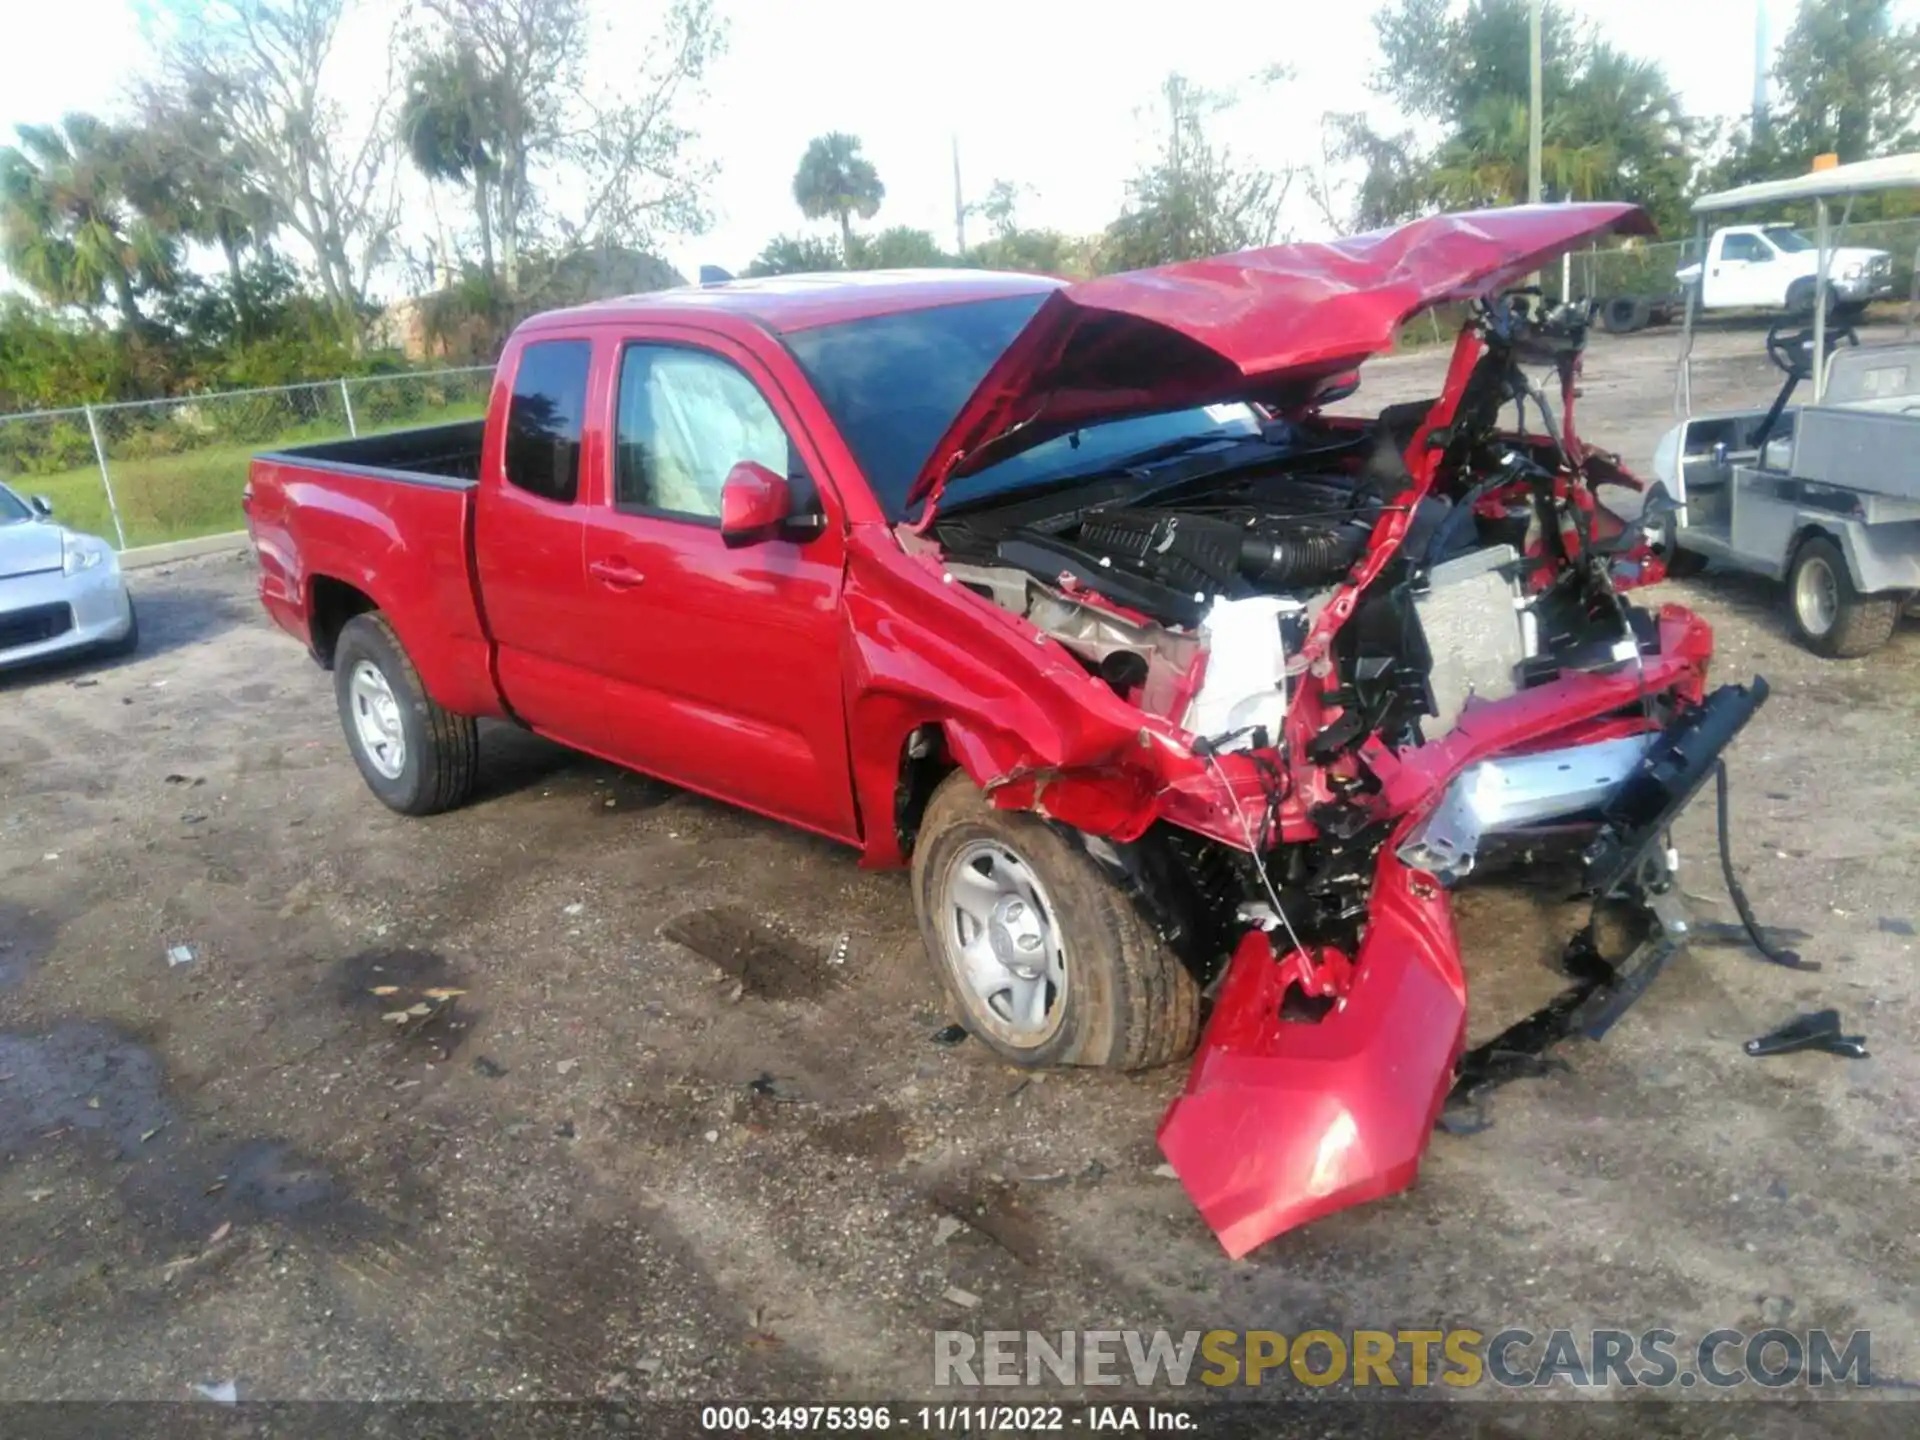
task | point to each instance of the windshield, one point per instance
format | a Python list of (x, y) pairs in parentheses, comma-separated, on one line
[(1101, 447), (1788, 239), (894, 383), (13, 509)]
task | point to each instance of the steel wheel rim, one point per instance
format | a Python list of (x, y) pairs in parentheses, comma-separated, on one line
[(376, 720), (1001, 940), (1816, 595)]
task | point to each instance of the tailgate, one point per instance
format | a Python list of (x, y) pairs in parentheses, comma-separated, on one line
[(334, 534)]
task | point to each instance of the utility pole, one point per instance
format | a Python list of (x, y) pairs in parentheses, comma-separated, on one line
[(1762, 62), (959, 204), (1534, 104)]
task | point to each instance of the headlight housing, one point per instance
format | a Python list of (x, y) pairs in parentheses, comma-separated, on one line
[(1853, 271), (83, 552)]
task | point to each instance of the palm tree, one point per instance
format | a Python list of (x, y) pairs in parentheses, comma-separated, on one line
[(188, 175), (835, 179), (1628, 115), (68, 227), (448, 124), (1485, 161)]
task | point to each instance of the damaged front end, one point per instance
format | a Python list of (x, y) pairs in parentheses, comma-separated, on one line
[(1506, 698), (1298, 678), (1287, 1118)]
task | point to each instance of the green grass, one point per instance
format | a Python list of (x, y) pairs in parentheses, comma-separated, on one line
[(195, 492)]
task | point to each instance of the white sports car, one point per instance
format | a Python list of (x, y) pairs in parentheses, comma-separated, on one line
[(60, 591)]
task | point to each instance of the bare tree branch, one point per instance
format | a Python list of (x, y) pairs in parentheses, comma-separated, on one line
[(260, 68), (619, 168)]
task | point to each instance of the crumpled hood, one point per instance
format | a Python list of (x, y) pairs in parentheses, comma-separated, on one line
[(1272, 324), (29, 546)]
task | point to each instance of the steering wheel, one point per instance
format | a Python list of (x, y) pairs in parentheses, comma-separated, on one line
[(1790, 346)]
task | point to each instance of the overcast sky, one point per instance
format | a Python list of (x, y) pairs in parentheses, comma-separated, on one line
[(1049, 93)]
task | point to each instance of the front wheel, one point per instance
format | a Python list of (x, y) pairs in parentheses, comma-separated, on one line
[(1685, 564), (1047, 960), (417, 756), (1829, 616)]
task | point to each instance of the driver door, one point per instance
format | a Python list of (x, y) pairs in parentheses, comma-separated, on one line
[(721, 665), (1749, 278)]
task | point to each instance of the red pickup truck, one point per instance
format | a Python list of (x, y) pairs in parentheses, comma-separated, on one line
[(1172, 685)]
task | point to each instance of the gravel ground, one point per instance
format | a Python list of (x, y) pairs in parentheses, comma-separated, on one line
[(612, 1165)]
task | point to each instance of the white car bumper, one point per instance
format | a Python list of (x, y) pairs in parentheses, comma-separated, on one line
[(51, 613), (1863, 287)]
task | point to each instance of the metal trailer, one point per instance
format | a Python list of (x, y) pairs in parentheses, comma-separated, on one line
[(1824, 494)]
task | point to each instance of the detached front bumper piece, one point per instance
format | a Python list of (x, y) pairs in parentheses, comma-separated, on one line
[(1286, 1120)]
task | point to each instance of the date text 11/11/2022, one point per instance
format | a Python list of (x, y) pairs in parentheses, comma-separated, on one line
[(946, 1419)]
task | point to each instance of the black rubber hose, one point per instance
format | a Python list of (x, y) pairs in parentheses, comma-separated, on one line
[(1314, 557), (1461, 514), (1788, 958)]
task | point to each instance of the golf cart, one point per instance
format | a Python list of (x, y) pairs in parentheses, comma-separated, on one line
[(1823, 493)]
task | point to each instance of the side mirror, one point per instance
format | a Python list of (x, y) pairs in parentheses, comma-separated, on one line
[(754, 503), (1337, 388), (41, 506)]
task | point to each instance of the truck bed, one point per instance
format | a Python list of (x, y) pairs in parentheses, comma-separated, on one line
[(381, 522), (428, 453)]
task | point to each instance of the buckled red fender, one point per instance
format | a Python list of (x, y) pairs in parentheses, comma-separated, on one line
[(1283, 1121)]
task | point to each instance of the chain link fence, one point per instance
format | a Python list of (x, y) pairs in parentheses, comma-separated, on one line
[(147, 471)]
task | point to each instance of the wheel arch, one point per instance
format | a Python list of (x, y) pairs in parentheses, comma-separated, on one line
[(331, 603), (922, 748), (1842, 535), (454, 668)]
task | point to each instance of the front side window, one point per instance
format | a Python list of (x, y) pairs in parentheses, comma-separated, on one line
[(543, 418), (13, 509), (685, 419), (1745, 247)]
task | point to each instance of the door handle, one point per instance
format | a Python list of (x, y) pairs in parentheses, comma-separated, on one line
[(617, 573)]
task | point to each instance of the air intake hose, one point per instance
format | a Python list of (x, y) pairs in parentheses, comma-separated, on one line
[(1314, 557)]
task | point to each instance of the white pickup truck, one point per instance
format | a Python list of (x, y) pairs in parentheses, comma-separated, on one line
[(1773, 267)]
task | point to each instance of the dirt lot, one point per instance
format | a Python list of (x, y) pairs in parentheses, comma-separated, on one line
[(615, 1165)]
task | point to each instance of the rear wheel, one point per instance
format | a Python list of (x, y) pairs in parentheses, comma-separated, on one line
[(1625, 314), (1830, 617), (416, 755), (1046, 959)]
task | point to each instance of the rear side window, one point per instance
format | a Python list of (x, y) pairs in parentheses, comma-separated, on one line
[(543, 419)]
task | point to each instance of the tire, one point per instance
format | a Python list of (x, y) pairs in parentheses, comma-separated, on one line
[(129, 642), (1626, 314), (1122, 999), (439, 752), (1685, 564), (1800, 297), (1847, 624)]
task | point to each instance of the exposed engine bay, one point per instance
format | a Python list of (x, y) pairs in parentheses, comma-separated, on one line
[(1191, 582)]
